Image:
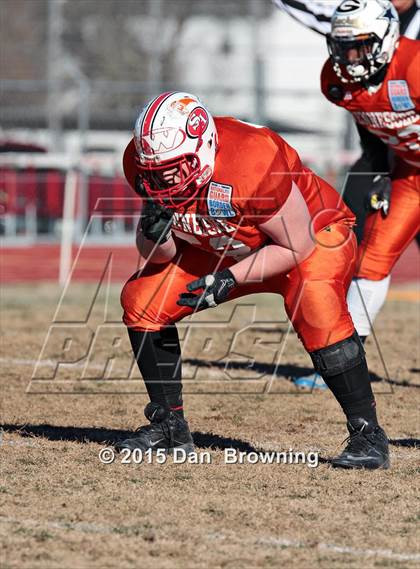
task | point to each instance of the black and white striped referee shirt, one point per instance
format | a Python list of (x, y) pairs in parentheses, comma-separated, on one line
[(316, 14)]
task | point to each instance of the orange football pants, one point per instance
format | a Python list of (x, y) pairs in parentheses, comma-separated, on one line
[(385, 239), (314, 291)]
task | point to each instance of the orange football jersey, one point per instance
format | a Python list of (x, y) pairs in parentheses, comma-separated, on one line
[(252, 179), (391, 110)]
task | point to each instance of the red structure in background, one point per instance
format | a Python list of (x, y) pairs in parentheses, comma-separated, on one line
[(44, 190), (110, 197), (41, 189)]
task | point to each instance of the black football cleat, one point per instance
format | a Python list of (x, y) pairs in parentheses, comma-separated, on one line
[(166, 431), (367, 447)]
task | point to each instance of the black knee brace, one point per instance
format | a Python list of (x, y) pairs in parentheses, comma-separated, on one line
[(339, 357)]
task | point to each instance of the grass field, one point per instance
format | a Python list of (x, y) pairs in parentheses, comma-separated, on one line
[(62, 508)]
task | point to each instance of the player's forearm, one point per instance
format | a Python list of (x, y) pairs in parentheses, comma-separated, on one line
[(268, 262), (292, 242), (154, 253)]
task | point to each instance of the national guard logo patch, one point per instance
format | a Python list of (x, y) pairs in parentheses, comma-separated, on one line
[(219, 200), (399, 96)]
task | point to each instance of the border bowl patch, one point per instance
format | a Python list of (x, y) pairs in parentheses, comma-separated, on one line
[(399, 95), (219, 200)]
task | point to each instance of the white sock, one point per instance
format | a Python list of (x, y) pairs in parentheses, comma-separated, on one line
[(364, 312)]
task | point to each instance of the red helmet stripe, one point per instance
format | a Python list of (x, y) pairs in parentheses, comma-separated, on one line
[(151, 112)]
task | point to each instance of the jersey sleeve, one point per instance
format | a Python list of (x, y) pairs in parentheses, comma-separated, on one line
[(413, 77), (272, 191), (129, 164)]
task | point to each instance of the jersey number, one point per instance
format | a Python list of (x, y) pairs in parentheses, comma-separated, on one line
[(219, 243), (407, 139)]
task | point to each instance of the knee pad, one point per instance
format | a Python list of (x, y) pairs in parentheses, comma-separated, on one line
[(339, 357)]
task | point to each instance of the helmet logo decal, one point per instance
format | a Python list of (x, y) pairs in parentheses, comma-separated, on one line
[(162, 140), (389, 14), (181, 105), (197, 122), (349, 6)]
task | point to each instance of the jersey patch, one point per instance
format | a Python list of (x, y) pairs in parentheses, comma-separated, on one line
[(219, 200), (399, 95)]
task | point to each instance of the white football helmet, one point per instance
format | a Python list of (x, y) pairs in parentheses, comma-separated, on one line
[(363, 38), (176, 142)]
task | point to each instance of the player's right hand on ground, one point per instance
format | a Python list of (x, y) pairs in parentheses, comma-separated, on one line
[(379, 197), (156, 220)]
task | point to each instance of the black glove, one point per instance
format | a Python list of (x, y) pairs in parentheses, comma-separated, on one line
[(379, 197), (156, 220), (217, 287)]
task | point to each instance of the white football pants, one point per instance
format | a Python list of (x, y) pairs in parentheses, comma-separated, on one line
[(365, 299)]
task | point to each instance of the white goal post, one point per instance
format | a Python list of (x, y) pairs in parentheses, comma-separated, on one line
[(67, 225), (64, 163)]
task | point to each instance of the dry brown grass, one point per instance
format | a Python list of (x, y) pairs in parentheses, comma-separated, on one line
[(62, 508)]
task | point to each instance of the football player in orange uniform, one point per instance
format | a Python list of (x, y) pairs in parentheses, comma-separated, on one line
[(374, 74), (229, 210)]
